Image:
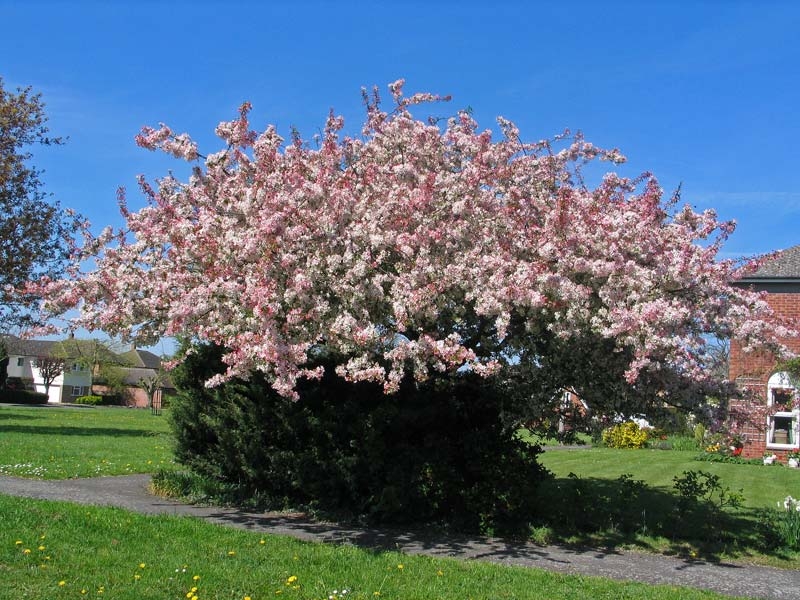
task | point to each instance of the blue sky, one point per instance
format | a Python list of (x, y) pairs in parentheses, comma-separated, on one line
[(703, 94)]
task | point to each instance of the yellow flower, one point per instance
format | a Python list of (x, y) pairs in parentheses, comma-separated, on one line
[(196, 577), (142, 565), (439, 573), (41, 548), (232, 553), (262, 542), (291, 579), (399, 567), (247, 598), (18, 543), (26, 551), (137, 577), (62, 583)]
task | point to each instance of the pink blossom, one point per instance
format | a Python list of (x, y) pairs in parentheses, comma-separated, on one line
[(381, 247)]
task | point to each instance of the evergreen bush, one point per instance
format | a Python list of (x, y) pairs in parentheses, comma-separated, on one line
[(436, 451)]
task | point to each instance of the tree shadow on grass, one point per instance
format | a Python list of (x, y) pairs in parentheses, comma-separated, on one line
[(602, 513), (82, 431), (8, 416)]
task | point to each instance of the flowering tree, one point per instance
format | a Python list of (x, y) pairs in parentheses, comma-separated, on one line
[(416, 246)]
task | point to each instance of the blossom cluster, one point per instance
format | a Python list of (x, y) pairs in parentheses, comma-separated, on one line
[(381, 246)]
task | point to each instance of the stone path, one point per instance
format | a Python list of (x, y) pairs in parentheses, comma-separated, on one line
[(130, 492)]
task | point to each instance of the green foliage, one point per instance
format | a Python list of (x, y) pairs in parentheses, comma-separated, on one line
[(783, 524), (22, 397), (699, 434), (702, 495), (89, 400), (625, 435), (433, 452), (103, 400)]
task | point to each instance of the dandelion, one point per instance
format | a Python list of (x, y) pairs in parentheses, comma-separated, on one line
[(262, 542), (196, 578), (62, 583), (400, 567), (142, 565), (18, 543), (232, 553), (41, 548), (137, 577), (26, 551), (439, 573)]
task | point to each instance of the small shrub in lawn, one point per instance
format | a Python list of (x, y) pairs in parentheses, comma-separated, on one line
[(700, 504), (625, 435)]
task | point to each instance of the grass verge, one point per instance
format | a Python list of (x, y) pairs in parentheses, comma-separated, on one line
[(61, 550)]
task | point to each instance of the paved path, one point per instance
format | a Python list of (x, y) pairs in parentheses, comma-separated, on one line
[(130, 492)]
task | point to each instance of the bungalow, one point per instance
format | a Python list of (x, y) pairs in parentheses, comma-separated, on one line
[(776, 427)]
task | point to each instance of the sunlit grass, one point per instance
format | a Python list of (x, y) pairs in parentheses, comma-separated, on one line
[(61, 550), (61, 443)]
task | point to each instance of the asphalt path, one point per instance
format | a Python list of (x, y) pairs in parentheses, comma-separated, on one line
[(131, 493)]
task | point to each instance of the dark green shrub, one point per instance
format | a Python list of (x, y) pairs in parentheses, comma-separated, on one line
[(433, 452), (22, 397)]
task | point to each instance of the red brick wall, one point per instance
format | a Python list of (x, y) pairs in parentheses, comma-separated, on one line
[(753, 370)]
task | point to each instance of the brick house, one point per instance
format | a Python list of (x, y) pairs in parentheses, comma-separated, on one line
[(758, 373)]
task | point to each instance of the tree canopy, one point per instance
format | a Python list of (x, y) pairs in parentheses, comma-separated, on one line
[(416, 246), (34, 231)]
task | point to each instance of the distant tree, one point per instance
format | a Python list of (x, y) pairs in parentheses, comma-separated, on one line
[(33, 229), (152, 384), (50, 367)]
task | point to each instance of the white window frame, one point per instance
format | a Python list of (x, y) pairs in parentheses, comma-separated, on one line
[(79, 392), (20, 361), (780, 382)]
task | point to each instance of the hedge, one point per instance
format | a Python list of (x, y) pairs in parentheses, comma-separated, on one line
[(22, 397)]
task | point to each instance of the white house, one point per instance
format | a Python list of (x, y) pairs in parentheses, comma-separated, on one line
[(23, 357)]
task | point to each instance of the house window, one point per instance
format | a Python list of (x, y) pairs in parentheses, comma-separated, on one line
[(20, 361), (77, 367), (76, 390), (783, 427)]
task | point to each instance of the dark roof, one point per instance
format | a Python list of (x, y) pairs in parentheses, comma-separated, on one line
[(784, 265), (20, 347), (141, 358)]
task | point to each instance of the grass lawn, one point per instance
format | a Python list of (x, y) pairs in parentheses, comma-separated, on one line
[(60, 443), (60, 550), (595, 508), (762, 486), (590, 503)]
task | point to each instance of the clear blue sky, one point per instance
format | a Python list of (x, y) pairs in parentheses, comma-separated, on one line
[(703, 94)]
